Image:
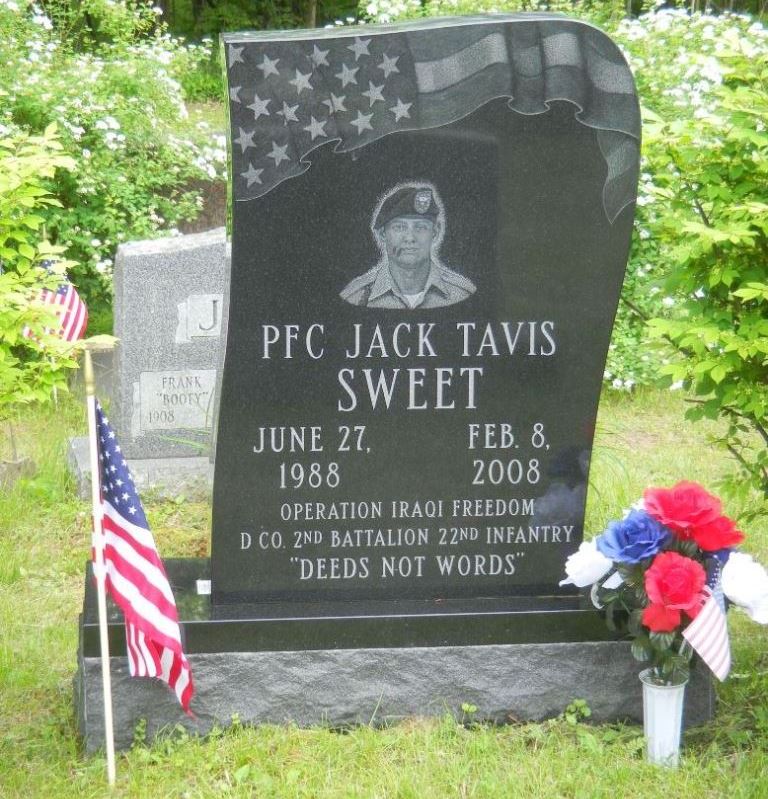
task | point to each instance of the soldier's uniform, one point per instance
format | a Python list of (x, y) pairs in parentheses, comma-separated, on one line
[(377, 289)]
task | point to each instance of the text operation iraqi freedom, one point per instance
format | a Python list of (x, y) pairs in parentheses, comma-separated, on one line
[(403, 509)]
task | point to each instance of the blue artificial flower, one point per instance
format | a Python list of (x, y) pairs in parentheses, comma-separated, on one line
[(633, 539)]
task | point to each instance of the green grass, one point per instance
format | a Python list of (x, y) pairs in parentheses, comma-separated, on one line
[(44, 542)]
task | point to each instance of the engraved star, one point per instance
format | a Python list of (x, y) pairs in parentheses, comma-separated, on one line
[(259, 106), (388, 65), (235, 55), (278, 153), (360, 47), (363, 122), (316, 128), (346, 75), (318, 57), (268, 66), (374, 94), (252, 175), (335, 103), (400, 110), (301, 81), (245, 140), (288, 113), (234, 93)]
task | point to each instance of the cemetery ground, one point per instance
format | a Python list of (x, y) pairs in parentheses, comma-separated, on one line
[(44, 541)]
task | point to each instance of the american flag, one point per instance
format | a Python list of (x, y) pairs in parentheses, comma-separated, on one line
[(68, 307), (135, 576), (290, 95), (708, 635)]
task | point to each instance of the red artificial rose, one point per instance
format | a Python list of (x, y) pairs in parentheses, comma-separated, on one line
[(718, 534), (673, 583), (661, 619), (682, 508)]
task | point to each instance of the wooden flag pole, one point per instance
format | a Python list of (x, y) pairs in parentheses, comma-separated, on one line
[(99, 569)]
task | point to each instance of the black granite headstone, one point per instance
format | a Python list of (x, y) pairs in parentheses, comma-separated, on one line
[(430, 231), (430, 227)]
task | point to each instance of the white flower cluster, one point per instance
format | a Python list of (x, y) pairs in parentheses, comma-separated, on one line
[(677, 55), (212, 159), (384, 11)]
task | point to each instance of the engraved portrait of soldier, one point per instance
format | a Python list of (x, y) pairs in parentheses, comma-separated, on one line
[(408, 225)]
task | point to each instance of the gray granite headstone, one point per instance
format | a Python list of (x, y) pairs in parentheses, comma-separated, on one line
[(171, 298), (170, 319)]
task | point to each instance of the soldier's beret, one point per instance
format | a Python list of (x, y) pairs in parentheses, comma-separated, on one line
[(416, 201)]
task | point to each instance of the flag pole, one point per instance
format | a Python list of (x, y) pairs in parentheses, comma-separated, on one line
[(99, 570)]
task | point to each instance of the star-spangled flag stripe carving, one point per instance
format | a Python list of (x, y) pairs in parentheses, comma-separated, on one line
[(135, 576), (429, 78), (434, 76), (708, 635)]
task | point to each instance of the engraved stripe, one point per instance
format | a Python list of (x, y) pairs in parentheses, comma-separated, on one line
[(433, 76)]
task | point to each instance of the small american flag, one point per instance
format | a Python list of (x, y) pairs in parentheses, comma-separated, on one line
[(708, 635), (68, 307), (135, 576)]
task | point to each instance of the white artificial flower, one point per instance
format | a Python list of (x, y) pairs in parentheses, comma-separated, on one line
[(745, 583), (586, 566)]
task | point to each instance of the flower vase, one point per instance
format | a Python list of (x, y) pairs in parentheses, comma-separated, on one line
[(662, 719)]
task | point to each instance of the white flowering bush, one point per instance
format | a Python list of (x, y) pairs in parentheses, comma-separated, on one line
[(384, 11), (118, 104)]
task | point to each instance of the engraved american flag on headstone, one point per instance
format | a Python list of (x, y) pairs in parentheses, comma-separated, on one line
[(288, 97)]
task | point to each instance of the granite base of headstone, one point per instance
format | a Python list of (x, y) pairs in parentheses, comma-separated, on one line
[(336, 672), (161, 380)]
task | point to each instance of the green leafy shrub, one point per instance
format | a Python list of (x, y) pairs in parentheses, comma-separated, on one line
[(30, 367), (201, 76), (712, 223)]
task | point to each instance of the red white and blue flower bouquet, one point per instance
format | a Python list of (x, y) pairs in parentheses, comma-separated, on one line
[(664, 575)]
